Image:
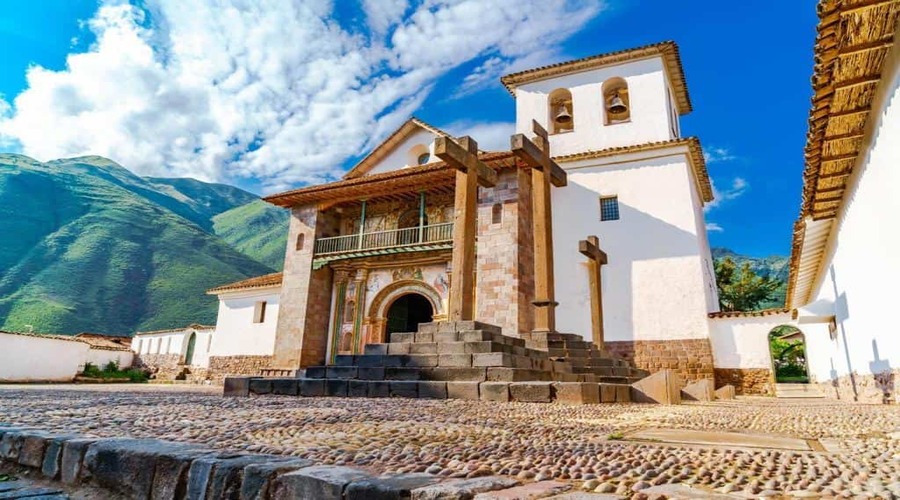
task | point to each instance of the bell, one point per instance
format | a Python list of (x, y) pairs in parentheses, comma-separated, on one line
[(562, 115), (616, 105)]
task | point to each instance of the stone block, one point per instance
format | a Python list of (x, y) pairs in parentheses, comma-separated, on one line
[(322, 482), (725, 392), (227, 474), (531, 392), (463, 390), (423, 348), (449, 374), (424, 337), (432, 390), (312, 387), (494, 391), (127, 466), (404, 389), (462, 488), (455, 360), (335, 387), (70, 467), (344, 360), (701, 390), (314, 372), (451, 348), (341, 372), (428, 327), (475, 336), (394, 348), (419, 360), (401, 373), (286, 386), (393, 360), (577, 393), (607, 393), (357, 388), (31, 452), (451, 326), (374, 373), (398, 337), (371, 360), (446, 337), (388, 487), (375, 349), (493, 359), (379, 389), (662, 387), (170, 477), (236, 387), (542, 489), (259, 479), (498, 374), (483, 347), (260, 386), (624, 393), (10, 444), (52, 463)]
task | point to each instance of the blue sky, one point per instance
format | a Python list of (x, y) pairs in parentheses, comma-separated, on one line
[(152, 89)]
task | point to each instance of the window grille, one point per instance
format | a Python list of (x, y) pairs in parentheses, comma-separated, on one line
[(609, 208)]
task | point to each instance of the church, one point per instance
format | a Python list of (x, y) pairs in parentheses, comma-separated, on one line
[(591, 227)]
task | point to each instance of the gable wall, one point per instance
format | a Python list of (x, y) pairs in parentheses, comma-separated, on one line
[(400, 157)]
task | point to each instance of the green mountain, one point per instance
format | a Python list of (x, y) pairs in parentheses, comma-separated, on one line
[(776, 266), (257, 229), (89, 246)]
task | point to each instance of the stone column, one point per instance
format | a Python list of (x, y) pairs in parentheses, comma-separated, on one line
[(305, 304), (361, 280), (340, 301)]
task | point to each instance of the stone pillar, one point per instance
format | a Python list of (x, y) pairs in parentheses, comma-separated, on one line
[(361, 279), (302, 334), (340, 302)]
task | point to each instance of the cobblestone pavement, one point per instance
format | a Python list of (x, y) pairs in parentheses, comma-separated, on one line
[(529, 441)]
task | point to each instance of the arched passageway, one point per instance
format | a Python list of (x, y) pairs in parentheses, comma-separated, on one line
[(787, 345), (407, 311)]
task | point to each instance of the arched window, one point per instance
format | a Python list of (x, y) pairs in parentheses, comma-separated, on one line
[(300, 238), (418, 155), (561, 114), (616, 102)]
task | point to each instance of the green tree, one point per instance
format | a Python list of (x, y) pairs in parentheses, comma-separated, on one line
[(740, 289)]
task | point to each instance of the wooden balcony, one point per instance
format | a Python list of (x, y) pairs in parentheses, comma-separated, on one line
[(413, 239)]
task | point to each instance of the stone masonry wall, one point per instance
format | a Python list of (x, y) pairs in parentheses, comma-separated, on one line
[(691, 358), (497, 263), (880, 388), (162, 366), (223, 366), (747, 381)]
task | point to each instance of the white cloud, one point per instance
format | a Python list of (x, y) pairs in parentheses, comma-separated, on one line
[(714, 227), (738, 187), (273, 90), (716, 154), (491, 136)]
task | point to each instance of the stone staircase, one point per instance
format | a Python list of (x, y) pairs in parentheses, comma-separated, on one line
[(469, 360), (798, 391)]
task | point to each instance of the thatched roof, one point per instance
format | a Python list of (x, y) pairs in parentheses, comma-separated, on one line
[(854, 38), (667, 50)]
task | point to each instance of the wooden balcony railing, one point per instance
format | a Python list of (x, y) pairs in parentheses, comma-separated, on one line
[(394, 238)]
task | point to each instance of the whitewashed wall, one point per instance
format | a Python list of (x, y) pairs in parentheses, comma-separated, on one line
[(861, 269), (655, 285), (236, 334), (650, 107), (402, 156), (27, 358), (100, 357), (744, 342), (175, 342)]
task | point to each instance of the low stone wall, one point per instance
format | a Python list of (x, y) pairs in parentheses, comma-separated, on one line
[(747, 381), (224, 366), (881, 388), (691, 358), (163, 366), (151, 468)]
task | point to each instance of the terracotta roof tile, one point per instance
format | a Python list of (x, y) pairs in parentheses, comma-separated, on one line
[(263, 281), (749, 314)]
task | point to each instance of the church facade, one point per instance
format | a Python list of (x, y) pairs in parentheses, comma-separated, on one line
[(371, 254)]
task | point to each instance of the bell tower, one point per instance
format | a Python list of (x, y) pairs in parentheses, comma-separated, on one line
[(624, 98)]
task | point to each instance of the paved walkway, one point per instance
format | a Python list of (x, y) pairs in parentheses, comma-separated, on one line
[(584, 444)]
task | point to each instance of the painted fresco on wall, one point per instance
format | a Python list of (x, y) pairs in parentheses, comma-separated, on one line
[(441, 284), (434, 275), (407, 273)]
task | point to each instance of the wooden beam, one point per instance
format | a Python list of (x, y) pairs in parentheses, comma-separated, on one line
[(531, 154), (462, 158)]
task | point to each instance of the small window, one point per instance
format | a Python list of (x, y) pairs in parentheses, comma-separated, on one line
[(300, 238), (423, 158), (609, 208), (259, 312), (497, 213)]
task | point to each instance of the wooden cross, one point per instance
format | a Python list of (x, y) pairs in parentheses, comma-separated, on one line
[(590, 248), (470, 173), (544, 172)]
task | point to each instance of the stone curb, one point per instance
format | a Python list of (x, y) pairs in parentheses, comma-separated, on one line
[(157, 469)]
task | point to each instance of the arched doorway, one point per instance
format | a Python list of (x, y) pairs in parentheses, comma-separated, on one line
[(787, 346), (189, 353), (407, 311)]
